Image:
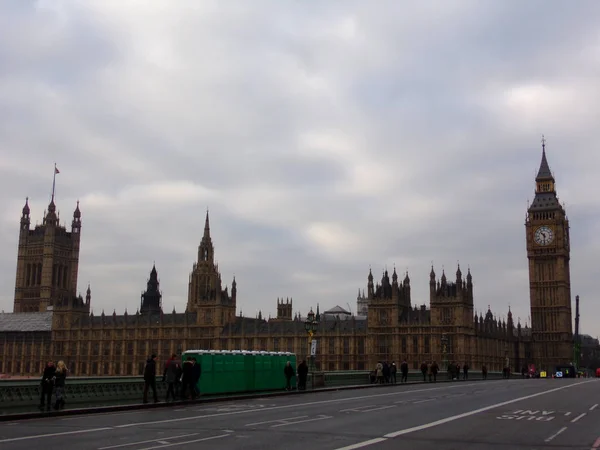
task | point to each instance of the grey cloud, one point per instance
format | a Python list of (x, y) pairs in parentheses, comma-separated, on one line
[(210, 106)]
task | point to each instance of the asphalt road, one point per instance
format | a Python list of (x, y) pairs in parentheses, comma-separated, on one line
[(503, 414)]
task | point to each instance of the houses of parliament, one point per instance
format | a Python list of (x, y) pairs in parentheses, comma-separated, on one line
[(51, 322)]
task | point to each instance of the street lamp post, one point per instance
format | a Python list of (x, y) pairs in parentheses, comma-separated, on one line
[(444, 352), (310, 325)]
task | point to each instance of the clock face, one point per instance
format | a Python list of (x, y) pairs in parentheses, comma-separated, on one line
[(543, 236)]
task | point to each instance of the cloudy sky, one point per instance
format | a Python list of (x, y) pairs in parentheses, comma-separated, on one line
[(324, 137)]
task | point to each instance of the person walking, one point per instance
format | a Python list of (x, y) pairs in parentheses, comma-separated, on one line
[(47, 385), (404, 371), (60, 376), (288, 371), (150, 378), (169, 376)]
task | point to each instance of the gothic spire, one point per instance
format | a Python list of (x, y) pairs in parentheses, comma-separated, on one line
[(206, 227), (26, 207), (544, 172)]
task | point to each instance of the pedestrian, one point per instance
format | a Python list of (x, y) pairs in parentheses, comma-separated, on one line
[(170, 376), (302, 375), (404, 371), (47, 385), (197, 370), (288, 371), (60, 376), (150, 378), (393, 370), (187, 379)]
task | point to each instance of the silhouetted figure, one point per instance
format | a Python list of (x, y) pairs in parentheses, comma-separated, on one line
[(150, 378)]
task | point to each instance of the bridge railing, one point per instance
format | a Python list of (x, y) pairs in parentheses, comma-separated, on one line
[(96, 391)]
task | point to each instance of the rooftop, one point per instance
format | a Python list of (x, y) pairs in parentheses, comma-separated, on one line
[(36, 321)]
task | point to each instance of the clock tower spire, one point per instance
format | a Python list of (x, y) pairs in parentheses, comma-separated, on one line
[(548, 252)]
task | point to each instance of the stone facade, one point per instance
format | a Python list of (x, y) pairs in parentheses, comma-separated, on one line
[(548, 251), (388, 326)]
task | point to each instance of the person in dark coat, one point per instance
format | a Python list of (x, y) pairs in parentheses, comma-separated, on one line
[(47, 384), (288, 371), (302, 375), (424, 371), (197, 370), (169, 376), (404, 371), (150, 378), (187, 379), (393, 370)]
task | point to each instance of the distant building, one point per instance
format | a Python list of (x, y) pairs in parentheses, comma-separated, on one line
[(51, 322)]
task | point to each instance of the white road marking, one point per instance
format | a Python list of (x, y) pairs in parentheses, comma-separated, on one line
[(578, 417), (424, 401), (476, 411), (148, 441), (292, 405), (207, 416), (65, 433), (456, 417), (568, 413), (274, 421), (188, 442), (363, 444), (302, 421), (556, 434), (358, 408), (594, 407), (101, 414), (378, 408)]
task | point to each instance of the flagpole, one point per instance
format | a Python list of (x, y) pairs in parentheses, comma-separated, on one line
[(53, 182)]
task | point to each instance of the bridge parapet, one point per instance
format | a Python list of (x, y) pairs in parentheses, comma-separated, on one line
[(94, 391)]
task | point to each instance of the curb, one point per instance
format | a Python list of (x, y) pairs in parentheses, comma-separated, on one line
[(208, 400)]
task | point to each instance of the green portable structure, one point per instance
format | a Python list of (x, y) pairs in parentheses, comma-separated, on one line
[(241, 371)]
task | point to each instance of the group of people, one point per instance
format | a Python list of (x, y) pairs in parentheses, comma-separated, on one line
[(301, 371), (53, 381), (181, 378), (387, 373)]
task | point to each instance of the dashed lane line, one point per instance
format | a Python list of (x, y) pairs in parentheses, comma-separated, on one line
[(556, 434)]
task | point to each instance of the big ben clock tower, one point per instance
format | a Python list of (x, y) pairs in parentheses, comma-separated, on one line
[(547, 231)]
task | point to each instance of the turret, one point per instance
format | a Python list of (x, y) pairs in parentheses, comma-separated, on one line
[(370, 286), (25, 219), (151, 298), (76, 224), (205, 249), (432, 282)]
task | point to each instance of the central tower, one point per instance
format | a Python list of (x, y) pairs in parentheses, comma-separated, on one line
[(548, 251), (213, 304)]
